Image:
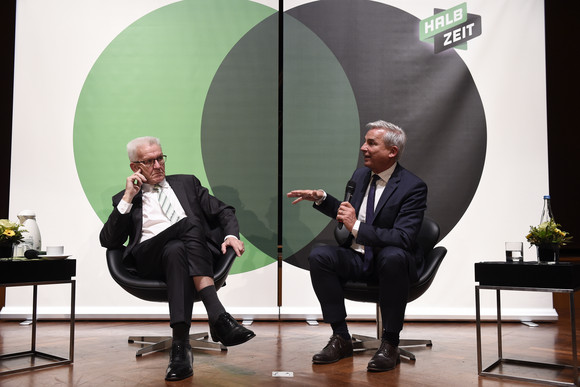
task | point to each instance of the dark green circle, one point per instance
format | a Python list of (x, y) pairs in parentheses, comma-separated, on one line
[(240, 133)]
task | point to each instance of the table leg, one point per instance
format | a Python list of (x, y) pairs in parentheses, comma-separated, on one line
[(573, 330), (33, 354), (34, 314), (499, 335), (72, 320), (478, 330)]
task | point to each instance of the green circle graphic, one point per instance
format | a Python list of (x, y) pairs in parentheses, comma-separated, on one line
[(153, 79)]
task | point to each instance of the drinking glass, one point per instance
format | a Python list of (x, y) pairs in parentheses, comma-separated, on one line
[(514, 251)]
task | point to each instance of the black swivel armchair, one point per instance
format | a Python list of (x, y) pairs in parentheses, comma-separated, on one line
[(367, 292), (155, 290)]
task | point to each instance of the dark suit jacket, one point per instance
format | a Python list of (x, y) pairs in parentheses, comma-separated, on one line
[(398, 215), (216, 218)]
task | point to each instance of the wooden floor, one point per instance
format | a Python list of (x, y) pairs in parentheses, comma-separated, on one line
[(104, 358)]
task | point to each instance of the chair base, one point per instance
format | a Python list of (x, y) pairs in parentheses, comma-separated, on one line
[(364, 343), (162, 343)]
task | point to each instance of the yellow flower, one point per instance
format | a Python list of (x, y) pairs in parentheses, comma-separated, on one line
[(548, 233), (10, 232)]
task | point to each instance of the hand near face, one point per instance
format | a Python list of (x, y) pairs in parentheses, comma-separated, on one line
[(133, 184)]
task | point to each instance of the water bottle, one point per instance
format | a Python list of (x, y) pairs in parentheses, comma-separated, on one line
[(547, 211)]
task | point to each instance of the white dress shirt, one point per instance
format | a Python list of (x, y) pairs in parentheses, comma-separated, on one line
[(154, 220), (362, 213)]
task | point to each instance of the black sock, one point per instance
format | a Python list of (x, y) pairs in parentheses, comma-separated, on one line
[(340, 328), (180, 332), (212, 304), (391, 338)]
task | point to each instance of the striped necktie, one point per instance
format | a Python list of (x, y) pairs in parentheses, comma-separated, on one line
[(165, 204)]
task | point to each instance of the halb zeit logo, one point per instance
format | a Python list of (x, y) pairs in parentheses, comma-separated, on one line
[(450, 28)]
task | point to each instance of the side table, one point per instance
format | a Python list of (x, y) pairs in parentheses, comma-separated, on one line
[(34, 273), (526, 276)]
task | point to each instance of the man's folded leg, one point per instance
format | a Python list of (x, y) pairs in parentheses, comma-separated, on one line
[(223, 327)]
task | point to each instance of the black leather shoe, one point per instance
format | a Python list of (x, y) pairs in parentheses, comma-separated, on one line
[(385, 359), (228, 331), (180, 362), (336, 349)]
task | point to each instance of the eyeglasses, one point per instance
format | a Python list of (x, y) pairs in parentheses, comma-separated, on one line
[(151, 162)]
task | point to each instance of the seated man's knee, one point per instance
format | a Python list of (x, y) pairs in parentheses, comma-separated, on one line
[(392, 259), (174, 254), (319, 256)]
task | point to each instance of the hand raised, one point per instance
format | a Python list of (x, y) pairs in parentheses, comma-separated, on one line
[(133, 184), (310, 195)]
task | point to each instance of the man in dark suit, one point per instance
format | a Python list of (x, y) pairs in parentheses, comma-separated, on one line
[(384, 219), (174, 225)]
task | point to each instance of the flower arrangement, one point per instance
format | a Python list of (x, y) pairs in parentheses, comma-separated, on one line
[(548, 233), (10, 232)]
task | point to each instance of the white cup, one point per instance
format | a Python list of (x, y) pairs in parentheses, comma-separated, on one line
[(54, 250)]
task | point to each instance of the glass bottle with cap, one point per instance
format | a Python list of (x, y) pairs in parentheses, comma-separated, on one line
[(547, 214)]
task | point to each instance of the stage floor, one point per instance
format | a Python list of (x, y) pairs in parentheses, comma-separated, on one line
[(104, 358)]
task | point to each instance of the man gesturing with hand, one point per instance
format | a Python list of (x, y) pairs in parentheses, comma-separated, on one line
[(383, 219)]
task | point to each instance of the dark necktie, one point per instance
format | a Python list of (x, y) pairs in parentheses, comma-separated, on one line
[(370, 216)]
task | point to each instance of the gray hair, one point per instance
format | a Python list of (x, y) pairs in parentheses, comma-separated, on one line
[(134, 145), (394, 135)]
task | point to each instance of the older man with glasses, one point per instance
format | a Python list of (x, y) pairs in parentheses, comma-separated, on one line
[(170, 222)]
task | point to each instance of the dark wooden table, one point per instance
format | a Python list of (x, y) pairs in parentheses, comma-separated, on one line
[(526, 276), (33, 273)]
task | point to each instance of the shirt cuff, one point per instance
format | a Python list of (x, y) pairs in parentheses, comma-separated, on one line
[(319, 201), (230, 236), (354, 230), (123, 207)]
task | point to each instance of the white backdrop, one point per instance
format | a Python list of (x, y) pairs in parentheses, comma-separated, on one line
[(59, 41)]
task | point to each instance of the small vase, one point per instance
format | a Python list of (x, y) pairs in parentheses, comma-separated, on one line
[(549, 252), (6, 250)]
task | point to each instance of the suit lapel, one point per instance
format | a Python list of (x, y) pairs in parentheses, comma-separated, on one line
[(391, 187), (361, 188), (179, 189), (137, 215)]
